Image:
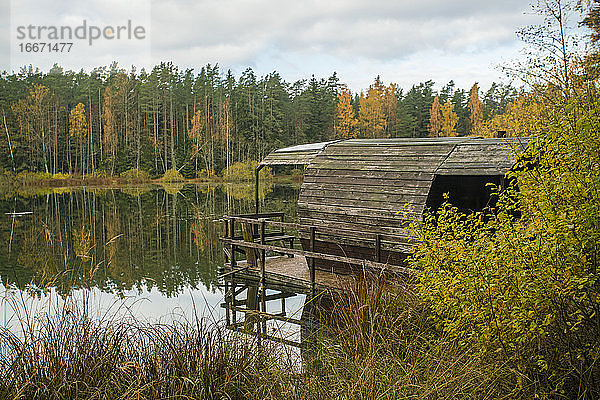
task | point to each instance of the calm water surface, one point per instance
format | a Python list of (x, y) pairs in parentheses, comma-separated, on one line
[(149, 251)]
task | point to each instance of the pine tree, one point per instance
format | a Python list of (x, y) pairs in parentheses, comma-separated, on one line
[(460, 100), (415, 108)]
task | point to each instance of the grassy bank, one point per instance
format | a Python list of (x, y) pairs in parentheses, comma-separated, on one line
[(12, 180), (378, 343), (238, 172), (375, 342), (67, 354)]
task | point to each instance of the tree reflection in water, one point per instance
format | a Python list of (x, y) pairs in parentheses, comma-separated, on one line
[(118, 240)]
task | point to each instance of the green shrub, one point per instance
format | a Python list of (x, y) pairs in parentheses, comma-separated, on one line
[(99, 174), (244, 171), (296, 172), (7, 177), (135, 174), (61, 176), (528, 288), (206, 175), (172, 175), (28, 177), (297, 175)]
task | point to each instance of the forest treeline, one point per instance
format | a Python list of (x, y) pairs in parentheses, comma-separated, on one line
[(110, 120)]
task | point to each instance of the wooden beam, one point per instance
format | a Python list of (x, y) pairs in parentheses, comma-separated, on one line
[(329, 257), (259, 335), (271, 297), (262, 314), (233, 272)]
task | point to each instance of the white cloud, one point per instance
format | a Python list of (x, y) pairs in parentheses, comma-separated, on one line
[(380, 30), (46, 13), (402, 39)]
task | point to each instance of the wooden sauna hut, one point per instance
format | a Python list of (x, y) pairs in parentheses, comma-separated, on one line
[(362, 194)]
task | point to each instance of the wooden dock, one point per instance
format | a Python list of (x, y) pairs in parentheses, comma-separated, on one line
[(261, 257), (290, 273)]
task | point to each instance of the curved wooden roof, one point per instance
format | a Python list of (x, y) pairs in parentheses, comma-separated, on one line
[(301, 154), (356, 189)]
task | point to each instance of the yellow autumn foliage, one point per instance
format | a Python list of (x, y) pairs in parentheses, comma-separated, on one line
[(520, 282), (449, 120), (77, 122), (523, 117), (346, 126)]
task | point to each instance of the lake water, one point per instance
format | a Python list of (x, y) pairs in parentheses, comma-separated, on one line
[(151, 252)]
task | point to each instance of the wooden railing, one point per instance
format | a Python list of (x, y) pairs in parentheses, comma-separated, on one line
[(256, 232), (253, 235)]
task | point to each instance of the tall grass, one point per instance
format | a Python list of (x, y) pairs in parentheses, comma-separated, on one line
[(374, 341), (67, 354), (378, 343)]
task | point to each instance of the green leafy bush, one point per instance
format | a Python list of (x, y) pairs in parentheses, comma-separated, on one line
[(527, 289), (99, 174), (61, 176), (135, 174), (206, 175), (244, 171), (172, 175), (28, 177), (297, 175)]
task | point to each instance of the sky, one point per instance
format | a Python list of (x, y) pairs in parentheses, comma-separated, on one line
[(402, 41)]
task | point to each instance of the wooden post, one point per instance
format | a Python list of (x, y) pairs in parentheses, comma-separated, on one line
[(263, 289), (252, 255), (227, 310), (232, 247), (251, 319), (378, 248), (233, 302), (256, 171), (312, 260), (263, 252), (232, 264), (226, 234)]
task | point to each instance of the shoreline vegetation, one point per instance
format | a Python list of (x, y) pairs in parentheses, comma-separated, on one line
[(375, 341), (240, 172)]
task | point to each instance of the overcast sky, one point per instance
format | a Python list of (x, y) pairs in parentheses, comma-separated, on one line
[(403, 41)]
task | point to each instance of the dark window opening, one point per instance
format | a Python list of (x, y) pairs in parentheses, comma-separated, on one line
[(470, 193)]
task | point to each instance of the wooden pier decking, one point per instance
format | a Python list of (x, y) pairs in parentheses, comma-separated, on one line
[(290, 272), (252, 236)]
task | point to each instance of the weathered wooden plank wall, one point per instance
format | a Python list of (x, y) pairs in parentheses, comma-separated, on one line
[(357, 189)]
